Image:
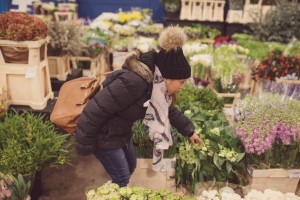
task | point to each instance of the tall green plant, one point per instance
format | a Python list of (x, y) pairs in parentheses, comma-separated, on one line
[(281, 24), (29, 143)]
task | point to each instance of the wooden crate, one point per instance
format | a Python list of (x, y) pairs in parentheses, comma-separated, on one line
[(94, 62), (64, 16), (186, 9), (59, 67), (197, 10), (252, 11), (27, 83), (234, 16), (218, 10), (208, 10), (144, 175), (283, 180), (118, 59)]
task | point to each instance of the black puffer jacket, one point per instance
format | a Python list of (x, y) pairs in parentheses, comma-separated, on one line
[(107, 119)]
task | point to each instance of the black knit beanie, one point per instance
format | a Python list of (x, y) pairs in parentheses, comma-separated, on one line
[(170, 59)]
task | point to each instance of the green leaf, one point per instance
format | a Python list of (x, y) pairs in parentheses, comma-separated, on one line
[(202, 156), (218, 161), (228, 167), (239, 157)]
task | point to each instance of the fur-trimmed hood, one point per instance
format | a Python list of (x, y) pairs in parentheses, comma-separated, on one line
[(146, 68)]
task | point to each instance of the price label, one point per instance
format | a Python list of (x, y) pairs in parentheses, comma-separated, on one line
[(30, 72), (294, 173)]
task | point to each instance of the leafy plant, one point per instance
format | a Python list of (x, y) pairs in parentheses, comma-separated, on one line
[(29, 143), (65, 39), (19, 26), (111, 191), (220, 156), (257, 49), (204, 99), (198, 31), (143, 146), (276, 27)]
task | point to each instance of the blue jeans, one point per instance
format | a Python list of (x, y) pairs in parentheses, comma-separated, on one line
[(119, 163)]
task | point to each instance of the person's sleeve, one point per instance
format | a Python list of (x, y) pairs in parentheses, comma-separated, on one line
[(179, 121), (114, 98)]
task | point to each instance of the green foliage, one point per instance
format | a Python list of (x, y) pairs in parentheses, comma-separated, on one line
[(65, 39), (29, 143), (111, 191), (293, 48), (281, 24), (198, 31), (219, 158), (143, 146), (205, 99), (20, 187), (18, 26), (257, 49)]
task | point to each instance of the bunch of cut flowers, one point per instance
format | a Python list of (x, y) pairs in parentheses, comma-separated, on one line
[(227, 66), (269, 130)]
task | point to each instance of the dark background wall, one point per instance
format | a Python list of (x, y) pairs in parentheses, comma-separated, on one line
[(93, 8)]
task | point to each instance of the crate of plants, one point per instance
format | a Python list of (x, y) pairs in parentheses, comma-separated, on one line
[(24, 69), (268, 127)]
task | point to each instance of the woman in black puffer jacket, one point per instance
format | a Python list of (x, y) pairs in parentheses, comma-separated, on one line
[(105, 126)]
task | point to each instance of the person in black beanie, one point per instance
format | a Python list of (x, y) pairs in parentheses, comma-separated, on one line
[(143, 89)]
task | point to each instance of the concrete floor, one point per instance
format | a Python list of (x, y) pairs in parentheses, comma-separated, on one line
[(70, 182)]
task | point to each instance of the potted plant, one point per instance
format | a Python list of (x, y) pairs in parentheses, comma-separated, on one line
[(172, 8), (65, 41), (30, 143), (23, 45), (269, 130), (15, 26), (220, 157)]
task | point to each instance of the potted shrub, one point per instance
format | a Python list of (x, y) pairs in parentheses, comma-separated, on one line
[(23, 63), (15, 26), (65, 41), (30, 143), (269, 130), (172, 8)]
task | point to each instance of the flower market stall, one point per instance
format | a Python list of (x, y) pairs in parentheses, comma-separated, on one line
[(243, 100)]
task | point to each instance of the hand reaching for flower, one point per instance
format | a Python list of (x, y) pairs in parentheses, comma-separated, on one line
[(195, 139)]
